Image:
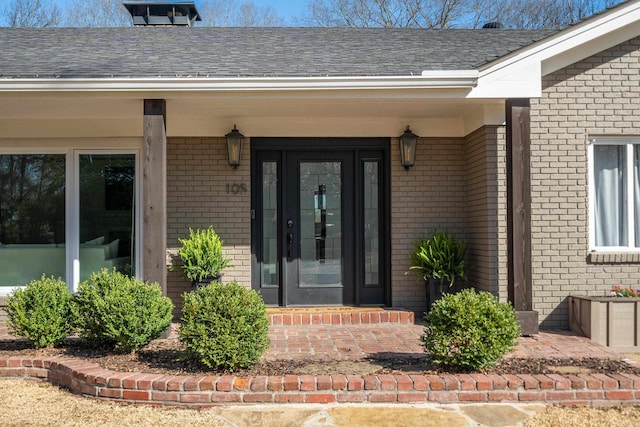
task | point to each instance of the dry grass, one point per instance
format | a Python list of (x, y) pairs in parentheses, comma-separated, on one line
[(554, 416), (41, 404)]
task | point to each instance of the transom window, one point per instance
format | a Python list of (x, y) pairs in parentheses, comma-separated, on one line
[(614, 193)]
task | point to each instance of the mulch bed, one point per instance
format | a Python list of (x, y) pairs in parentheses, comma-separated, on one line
[(166, 357)]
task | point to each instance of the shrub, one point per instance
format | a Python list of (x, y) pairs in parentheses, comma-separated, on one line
[(41, 312), (201, 255), (469, 330), (224, 325), (117, 311), (439, 257)]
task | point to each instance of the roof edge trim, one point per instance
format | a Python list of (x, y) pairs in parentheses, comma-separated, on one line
[(579, 34), (437, 80)]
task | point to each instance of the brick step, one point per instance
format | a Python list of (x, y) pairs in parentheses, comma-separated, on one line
[(339, 316)]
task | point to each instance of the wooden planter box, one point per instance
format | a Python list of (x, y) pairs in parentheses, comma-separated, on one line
[(614, 322)]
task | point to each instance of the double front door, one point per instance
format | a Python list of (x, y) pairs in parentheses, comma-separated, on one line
[(320, 227)]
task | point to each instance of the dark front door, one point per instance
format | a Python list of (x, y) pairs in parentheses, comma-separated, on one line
[(318, 223), (318, 212)]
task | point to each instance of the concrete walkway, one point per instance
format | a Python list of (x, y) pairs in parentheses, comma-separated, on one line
[(425, 415)]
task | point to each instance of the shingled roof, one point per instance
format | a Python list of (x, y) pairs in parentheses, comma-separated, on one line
[(249, 52)]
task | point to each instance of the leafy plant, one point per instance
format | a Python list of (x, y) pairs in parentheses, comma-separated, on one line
[(201, 255), (41, 312), (439, 257), (116, 311), (224, 325), (469, 330), (619, 291)]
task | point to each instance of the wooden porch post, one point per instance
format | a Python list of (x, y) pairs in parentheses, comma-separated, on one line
[(520, 289), (154, 186)]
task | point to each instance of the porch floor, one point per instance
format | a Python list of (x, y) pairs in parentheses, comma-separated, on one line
[(385, 339), (351, 342)]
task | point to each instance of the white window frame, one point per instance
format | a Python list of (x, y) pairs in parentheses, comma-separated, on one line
[(629, 142), (72, 200)]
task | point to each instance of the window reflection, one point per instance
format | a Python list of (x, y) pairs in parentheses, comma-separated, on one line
[(32, 217)]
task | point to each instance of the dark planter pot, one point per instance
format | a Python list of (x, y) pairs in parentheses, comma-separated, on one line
[(436, 288), (195, 285)]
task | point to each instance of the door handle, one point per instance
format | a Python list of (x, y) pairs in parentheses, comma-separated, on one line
[(289, 244)]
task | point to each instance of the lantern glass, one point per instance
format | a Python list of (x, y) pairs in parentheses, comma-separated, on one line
[(234, 147), (408, 142)]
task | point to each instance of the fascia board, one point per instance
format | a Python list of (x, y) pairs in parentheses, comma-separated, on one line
[(448, 80), (518, 75)]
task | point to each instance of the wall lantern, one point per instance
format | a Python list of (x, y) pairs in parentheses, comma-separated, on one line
[(408, 148), (234, 146)]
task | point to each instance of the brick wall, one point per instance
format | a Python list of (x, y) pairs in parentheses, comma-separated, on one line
[(485, 208), (597, 96), (198, 174), (453, 186), (429, 196)]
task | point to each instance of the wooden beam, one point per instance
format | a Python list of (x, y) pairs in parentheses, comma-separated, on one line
[(520, 287), (154, 190)]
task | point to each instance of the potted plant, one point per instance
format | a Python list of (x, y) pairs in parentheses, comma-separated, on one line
[(202, 257), (438, 260)]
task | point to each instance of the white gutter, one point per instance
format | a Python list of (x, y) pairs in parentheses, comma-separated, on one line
[(428, 80)]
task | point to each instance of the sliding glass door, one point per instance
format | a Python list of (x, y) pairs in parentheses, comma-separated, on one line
[(67, 215), (106, 227), (32, 217)]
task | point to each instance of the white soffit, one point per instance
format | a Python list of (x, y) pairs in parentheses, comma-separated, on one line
[(519, 75)]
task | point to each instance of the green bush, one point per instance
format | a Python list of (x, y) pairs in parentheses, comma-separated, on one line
[(201, 255), (117, 311), (469, 330), (439, 257), (41, 312), (224, 326)]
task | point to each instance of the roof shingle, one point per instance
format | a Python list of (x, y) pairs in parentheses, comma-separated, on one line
[(249, 52)]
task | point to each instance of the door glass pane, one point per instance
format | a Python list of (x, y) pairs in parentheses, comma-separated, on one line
[(270, 224), (107, 195), (371, 226), (321, 221), (32, 217)]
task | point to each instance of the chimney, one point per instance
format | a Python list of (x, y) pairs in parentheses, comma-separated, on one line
[(493, 25), (163, 13)]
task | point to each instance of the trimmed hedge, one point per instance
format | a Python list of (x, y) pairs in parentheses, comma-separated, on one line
[(224, 326), (120, 312), (41, 312), (469, 330)]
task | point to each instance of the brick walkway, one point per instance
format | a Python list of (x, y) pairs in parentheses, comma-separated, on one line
[(341, 342), (352, 342)]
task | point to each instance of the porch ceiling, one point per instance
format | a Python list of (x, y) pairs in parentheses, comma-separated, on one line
[(256, 114)]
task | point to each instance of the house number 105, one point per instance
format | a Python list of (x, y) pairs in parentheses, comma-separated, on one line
[(236, 188)]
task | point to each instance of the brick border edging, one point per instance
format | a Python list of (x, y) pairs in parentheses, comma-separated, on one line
[(89, 379)]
